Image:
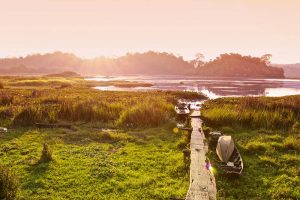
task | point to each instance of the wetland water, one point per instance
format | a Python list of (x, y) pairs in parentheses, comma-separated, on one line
[(213, 87)]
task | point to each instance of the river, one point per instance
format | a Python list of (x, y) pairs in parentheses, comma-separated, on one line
[(213, 87)]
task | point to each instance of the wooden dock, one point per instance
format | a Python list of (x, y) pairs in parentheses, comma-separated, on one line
[(202, 181)]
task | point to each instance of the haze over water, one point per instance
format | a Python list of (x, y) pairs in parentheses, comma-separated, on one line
[(212, 87)]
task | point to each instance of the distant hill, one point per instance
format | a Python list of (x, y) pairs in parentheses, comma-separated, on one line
[(148, 63), (66, 74), (291, 70), (236, 65)]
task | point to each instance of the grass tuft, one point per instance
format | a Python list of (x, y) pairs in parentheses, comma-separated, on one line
[(9, 183), (46, 154)]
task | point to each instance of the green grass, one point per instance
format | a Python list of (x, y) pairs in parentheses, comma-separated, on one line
[(121, 144), (140, 164), (265, 131)]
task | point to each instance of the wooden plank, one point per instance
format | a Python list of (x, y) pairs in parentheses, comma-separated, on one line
[(202, 181)]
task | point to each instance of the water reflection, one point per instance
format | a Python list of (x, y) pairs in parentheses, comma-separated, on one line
[(278, 92), (212, 87)]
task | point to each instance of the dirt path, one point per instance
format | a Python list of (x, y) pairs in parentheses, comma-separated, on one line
[(202, 181)]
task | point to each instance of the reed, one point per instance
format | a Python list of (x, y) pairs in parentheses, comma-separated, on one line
[(9, 183), (266, 131), (253, 112)]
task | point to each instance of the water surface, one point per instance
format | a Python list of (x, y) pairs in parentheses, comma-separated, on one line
[(213, 87)]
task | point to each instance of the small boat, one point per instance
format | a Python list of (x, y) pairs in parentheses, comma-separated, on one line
[(230, 157), (213, 138), (195, 106), (182, 109), (3, 130)]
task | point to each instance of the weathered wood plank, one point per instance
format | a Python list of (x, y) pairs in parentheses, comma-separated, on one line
[(202, 181)]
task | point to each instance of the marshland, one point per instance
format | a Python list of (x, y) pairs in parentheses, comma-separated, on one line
[(117, 145), (126, 145), (267, 133)]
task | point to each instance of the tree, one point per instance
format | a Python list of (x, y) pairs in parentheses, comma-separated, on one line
[(198, 62), (266, 58)]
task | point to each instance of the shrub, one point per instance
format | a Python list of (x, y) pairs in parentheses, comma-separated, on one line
[(46, 154), (1, 85), (9, 183)]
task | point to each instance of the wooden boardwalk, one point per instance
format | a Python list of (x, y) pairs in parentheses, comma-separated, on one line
[(202, 181)]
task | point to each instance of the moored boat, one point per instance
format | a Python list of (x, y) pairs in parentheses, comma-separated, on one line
[(182, 109), (230, 157)]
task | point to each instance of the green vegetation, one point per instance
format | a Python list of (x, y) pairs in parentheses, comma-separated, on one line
[(266, 131), (236, 65), (8, 183), (110, 145), (46, 154)]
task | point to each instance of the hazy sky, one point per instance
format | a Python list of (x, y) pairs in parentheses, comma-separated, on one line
[(91, 28)]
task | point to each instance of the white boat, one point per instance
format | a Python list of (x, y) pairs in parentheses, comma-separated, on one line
[(195, 106), (230, 157), (182, 109)]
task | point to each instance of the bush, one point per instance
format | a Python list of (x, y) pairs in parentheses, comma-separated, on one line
[(46, 154), (9, 183), (1, 85)]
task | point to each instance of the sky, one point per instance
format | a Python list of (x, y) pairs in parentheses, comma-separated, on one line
[(91, 28)]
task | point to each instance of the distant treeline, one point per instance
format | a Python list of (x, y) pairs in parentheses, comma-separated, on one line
[(148, 63)]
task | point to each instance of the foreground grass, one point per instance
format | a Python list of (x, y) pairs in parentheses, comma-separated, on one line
[(91, 164), (266, 131), (121, 145)]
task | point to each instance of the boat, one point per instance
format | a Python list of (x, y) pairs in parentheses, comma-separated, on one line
[(3, 130), (196, 106), (230, 158), (182, 109), (213, 138)]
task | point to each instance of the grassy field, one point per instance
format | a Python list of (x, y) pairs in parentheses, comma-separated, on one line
[(121, 145), (267, 133)]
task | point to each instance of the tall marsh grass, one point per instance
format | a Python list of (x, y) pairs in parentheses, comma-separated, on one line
[(9, 184), (253, 112), (124, 109), (152, 112)]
